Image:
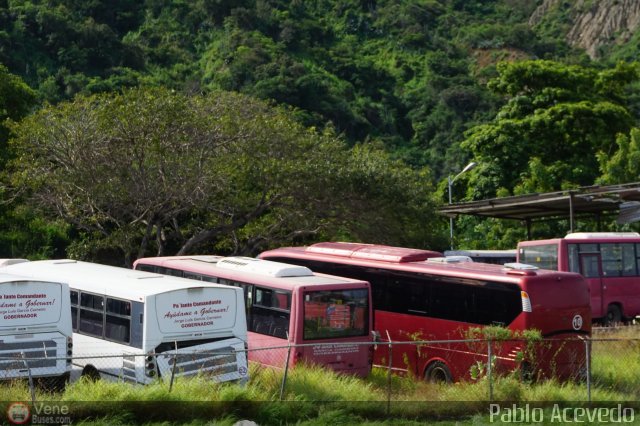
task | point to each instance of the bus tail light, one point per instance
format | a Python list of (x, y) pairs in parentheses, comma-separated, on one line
[(69, 349), (150, 366), (526, 302)]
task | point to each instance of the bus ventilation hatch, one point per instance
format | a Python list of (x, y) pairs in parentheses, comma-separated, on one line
[(373, 252), (264, 267), (517, 268)]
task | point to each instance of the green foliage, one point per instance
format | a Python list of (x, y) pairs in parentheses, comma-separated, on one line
[(164, 172), (558, 124), (408, 77), (624, 165), (16, 100)]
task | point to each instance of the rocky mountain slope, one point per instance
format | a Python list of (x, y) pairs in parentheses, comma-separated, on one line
[(595, 23)]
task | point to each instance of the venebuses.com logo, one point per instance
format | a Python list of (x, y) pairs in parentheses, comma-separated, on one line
[(40, 413), (18, 413)]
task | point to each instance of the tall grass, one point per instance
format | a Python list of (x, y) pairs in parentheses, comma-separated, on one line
[(313, 395), (615, 361)]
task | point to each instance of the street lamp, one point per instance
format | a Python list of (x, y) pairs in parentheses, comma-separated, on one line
[(468, 167)]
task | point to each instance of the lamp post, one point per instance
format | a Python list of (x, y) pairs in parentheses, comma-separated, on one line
[(450, 180)]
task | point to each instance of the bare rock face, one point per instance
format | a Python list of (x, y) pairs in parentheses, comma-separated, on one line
[(596, 22)]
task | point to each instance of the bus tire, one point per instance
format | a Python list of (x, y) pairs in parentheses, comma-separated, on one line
[(614, 315), (437, 372), (90, 373), (53, 384), (526, 372)]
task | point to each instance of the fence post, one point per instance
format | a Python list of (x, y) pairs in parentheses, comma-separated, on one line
[(31, 385), (173, 367), (489, 370), (286, 371), (389, 373), (587, 346)]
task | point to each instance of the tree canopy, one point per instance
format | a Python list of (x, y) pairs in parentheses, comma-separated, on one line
[(556, 121), (433, 84), (153, 171)]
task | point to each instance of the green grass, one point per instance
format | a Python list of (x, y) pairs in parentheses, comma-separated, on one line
[(314, 396)]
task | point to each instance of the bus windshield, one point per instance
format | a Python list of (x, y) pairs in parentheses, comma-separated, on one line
[(335, 313), (544, 256)]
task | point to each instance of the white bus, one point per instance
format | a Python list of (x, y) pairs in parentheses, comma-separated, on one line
[(136, 326), (498, 257), (36, 339)]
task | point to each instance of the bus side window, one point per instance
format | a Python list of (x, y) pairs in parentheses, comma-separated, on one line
[(266, 316), (611, 260), (118, 320), (174, 272), (91, 314), (589, 266), (74, 309), (209, 279), (192, 276), (146, 268), (629, 268)]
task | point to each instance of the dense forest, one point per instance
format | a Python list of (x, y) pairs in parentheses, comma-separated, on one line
[(139, 128)]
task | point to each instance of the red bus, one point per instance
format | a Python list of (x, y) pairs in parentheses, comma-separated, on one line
[(609, 261), (289, 304), (417, 297)]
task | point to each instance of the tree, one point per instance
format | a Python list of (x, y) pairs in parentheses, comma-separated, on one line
[(16, 100), (154, 171), (548, 134), (22, 231), (624, 165)]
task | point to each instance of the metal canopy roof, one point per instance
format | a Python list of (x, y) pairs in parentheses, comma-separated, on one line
[(623, 199)]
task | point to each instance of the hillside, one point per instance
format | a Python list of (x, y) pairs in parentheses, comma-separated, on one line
[(408, 74), (599, 27), (543, 95)]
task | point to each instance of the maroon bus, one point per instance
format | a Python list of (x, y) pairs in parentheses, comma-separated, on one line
[(289, 304), (419, 297), (609, 261)]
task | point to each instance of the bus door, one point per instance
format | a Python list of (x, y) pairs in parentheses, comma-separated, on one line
[(591, 271)]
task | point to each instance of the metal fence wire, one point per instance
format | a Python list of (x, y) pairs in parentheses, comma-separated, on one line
[(599, 362)]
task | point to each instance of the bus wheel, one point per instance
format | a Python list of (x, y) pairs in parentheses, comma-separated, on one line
[(526, 372), (90, 373), (614, 315), (53, 384), (437, 372)]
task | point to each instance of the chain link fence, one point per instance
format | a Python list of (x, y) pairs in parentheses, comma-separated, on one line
[(596, 364)]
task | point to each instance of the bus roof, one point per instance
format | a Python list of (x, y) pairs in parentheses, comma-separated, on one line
[(601, 235), (373, 252), (103, 279), (259, 271), (12, 278), (513, 273), (588, 237)]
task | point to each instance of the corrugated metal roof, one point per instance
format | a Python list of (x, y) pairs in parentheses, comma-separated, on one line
[(587, 200)]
